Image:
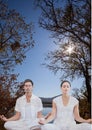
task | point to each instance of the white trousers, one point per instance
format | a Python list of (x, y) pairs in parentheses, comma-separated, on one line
[(84, 126), (49, 126), (21, 125), (81, 126), (16, 125)]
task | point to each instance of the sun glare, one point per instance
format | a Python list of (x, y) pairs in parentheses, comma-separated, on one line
[(70, 49)]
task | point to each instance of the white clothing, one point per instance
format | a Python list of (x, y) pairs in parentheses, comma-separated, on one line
[(16, 125), (28, 113), (49, 126), (65, 118)]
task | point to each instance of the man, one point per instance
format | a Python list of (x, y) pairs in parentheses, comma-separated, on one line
[(28, 111)]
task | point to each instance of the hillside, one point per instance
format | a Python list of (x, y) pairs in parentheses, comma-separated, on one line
[(47, 102)]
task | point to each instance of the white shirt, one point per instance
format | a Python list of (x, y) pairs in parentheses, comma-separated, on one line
[(29, 110), (65, 115)]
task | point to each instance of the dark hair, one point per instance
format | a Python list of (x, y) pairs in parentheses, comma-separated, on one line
[(28, 80), (64, 82)]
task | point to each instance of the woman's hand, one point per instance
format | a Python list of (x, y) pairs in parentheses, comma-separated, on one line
[(89, 121), (3, 118), (47, 115)]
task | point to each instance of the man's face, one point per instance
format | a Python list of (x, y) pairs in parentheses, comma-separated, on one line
[(28, 87)]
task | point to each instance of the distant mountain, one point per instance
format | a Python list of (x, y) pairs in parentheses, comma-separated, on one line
[(47, 102)]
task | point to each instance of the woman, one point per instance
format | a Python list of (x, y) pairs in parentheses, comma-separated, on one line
[(65, 111)]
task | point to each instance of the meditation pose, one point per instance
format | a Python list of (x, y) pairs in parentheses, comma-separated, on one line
[(65, 112), (28, 111)]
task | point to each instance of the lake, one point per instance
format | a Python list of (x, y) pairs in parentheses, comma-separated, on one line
[(46, 110)]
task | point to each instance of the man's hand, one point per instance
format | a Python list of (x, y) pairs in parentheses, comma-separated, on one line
[(42, 121), (3, 118)]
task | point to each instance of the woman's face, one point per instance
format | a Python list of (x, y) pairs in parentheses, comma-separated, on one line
[(65, 88)]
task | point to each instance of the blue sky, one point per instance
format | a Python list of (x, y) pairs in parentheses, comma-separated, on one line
[(46, 84)]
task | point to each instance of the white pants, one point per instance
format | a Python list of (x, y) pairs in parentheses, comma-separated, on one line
[(81, 126), (21, 125), (16, 125), (84, 126), (49, 126)]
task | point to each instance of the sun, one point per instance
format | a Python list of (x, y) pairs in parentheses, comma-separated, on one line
[(70, 49)]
